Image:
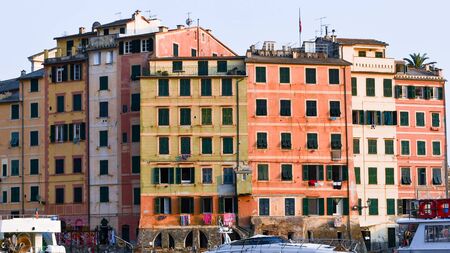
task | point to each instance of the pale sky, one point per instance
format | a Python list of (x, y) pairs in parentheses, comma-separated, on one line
[(408, 26)]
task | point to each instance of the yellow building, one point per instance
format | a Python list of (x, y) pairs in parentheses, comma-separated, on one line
[(193, 139)]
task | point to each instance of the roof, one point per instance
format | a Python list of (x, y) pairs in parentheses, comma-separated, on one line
[(188, 58), (14, 97), (115, 23), (9, 85), (87, 34), (35, 74), (350, 41), (301, 61), (419, 74)]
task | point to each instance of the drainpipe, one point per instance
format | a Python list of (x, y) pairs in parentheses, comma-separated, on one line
[(445, 147), (346, 153), (86, 131), (22, 149), (198, 37), (237, 152)]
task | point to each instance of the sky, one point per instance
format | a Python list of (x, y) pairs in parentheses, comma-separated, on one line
[(407, 26)]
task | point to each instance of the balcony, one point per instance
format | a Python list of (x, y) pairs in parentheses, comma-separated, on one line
[(244, 182), (77, 57), (106, 41), (336, 155), (193, 71), (380, 65)]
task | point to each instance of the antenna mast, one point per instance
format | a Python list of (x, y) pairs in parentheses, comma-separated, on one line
[(321, 24)]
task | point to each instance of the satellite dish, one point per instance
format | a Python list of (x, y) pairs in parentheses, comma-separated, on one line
[(189, 20)]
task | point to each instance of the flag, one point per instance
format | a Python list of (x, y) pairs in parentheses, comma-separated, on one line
[(299, 22)]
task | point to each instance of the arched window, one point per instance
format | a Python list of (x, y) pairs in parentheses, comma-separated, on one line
[(203, 241), (188, 242), (171, 242), (157, 243)]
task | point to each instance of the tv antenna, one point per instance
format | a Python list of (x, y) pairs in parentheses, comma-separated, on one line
[(150, 16), (189, 20), (321, 24), (118, 14)]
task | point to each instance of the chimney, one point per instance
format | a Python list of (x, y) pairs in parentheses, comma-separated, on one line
[(136, 13), (180, 27), (208, 30), (45, 54), (163, 29), (23, 72), (427, 67), (81, 30)]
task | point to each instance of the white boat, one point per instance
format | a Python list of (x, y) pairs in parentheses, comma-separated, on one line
[(30, 234), (424, 235)]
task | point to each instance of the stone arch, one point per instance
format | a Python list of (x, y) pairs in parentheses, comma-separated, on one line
[(171, 241), (189, 240), (203, 240), (157, 242)]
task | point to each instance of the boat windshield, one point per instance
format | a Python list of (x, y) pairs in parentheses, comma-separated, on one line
[(437, 233), (260, 241), (407, 232)]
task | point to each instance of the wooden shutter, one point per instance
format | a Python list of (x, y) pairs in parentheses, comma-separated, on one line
[(305, 206), (171, 176), (70, 132), (65, 73), (178, 175), (83, 131), (346, 206), (52, 133), (321, 206), (399, 206), (65, 131), (192, 172), (330, 205), (329, 172), (155, 175), (53, 74), (220, 204), (157, 205), (121, 47), (440, 93), (72, 71), (320, 167), (136, 46), (344, 173), (305, 173)]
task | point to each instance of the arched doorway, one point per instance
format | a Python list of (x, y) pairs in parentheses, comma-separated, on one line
[(188, 242), (203, 240), (171, 242), (157, 243)]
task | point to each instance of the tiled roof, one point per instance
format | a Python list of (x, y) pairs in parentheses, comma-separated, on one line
[(301, 60), (13, 98), (349, 41), (35, 74), (87, 34), (116, 23), (9, 85)]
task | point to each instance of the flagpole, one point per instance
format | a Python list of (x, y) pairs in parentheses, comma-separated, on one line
[(299, 29)]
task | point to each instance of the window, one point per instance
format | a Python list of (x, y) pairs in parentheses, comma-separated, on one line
[(34, 193), (14, 167), (103, 164), (124, 137), (135, 72), (59, 195), (285, 107), (373, 206), (222, 66), (261, 140), (34, 110), (4, 197), (34, 85), (378, 54), (421, 176), (15, 194), (333, 76), (406, 176), (163, 87), (165, 176), (356, 148), (97, 58), (389, 176), (186, 205), (185, 87), (187, 175), (260, 74), (228, 176), (136, 196), (354, 86), (372, 146), (227, 145), (404, 147), (421, 150), (103, 109), (390, 206), (311, 108), (59, 103), (337, 173), (103, 83), (227, 87), (77, 195), (285, 75), (175, 50), (60, 133), (77, 165), (387, 87), (264, 206), (389, 147), (286, 141), (437, 176), (357, 175), (310, 75), (435, 121), (177, 66), (34, 138), (261, 107), (207, 205), (404, 118), (14, 142), (313, 206), (289, 206), (227, 116), (311, 141), (103, 138), (135, 133), (373, 179), (206, 116), (185, 145), (436, 147), (206, 145), (286, 172), (185, 116), (263, 172), (390, 118), (420, 119), (34, 167), (163, 205), (76, 72), (206, 87), (136, 164), (313, 172), (202, 68), (163, 116), (76, 102), (104, 194), (163, 145), (60, 72), (59, 166), (193, 52), (135, 102), (207, 175), (336, 141), (370, 87), (335, 108), (146, 45), (362, 53), (109, 57)]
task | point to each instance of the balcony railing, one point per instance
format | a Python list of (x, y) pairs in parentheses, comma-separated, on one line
[(193, 71), (336, 155), (367, 64), (106, 41)]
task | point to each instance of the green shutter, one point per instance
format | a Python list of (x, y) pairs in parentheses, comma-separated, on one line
[(155, 175), (373, 175), (192, 172), (398, 91), (370, 87), (103, 83), (135, 72), (411, 91), (330, 205), (389, 176), (305, 206), (329, 172), (359, 206), (373, 207), (440, 93), (220, 204), (52, 133), (321, 206), (171, 176), (354, 87), (344, 173), (157, 205), (305, 173), (390, 206), (357, 175), (387, 87), (346, 206), (178, 175), (320, 172), (310, 75), (260, 74), (284, 75), (202, 68)]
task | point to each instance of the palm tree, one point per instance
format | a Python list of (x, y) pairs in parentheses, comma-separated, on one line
[(418, 60)]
